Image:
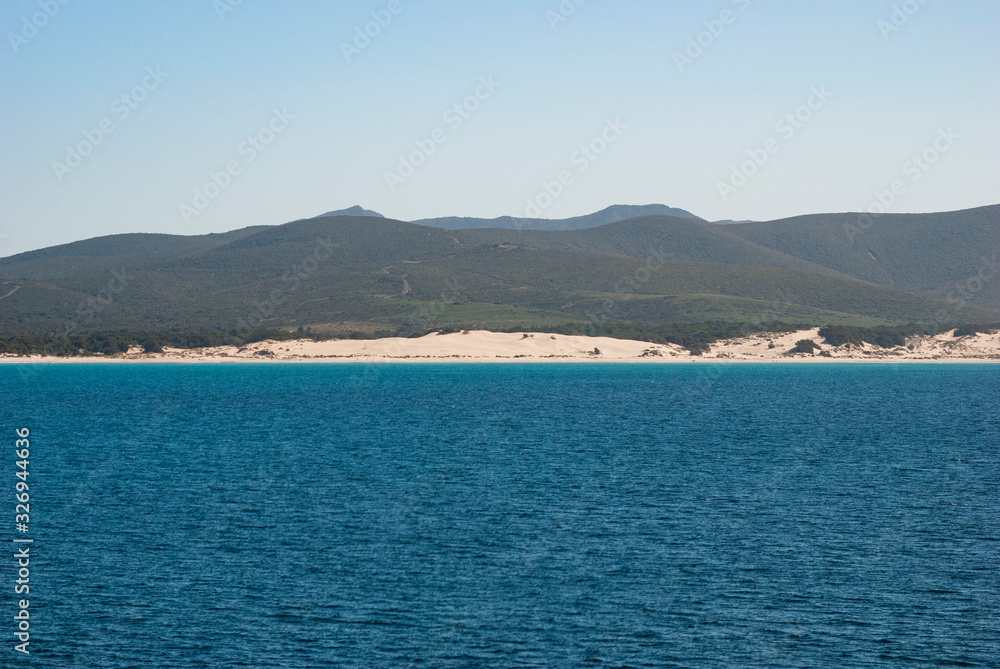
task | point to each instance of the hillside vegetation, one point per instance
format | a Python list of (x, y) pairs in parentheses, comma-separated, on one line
[(938, 253), (365, 275)]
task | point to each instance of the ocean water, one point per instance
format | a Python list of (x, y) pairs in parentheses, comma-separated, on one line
[(278, 515)]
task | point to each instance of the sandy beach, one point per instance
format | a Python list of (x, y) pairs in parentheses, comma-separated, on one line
[(497, 347)]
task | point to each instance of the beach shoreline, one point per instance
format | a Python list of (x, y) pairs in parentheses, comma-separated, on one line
[(539, 347)]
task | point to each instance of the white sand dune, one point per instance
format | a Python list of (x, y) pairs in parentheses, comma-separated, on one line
[(944, 346), (483, 346)]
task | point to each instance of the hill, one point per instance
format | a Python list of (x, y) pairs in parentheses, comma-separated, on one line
[(352, 211), (672, 238), (375, 274), (612, 214), (942, 253), (113, 252)]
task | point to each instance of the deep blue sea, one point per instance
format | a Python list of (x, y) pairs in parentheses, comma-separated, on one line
[(281, 515)]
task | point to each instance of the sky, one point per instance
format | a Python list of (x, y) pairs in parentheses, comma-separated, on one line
[(200, 116)]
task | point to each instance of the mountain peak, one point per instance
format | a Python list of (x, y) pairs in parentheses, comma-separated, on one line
[(352, 211), (621, 212)]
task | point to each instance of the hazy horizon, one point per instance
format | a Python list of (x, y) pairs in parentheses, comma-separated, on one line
[(266, 113), (283, 222)]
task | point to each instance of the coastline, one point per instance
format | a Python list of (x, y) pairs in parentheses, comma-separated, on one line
[(539, 347)]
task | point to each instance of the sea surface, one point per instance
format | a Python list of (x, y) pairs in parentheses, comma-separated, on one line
[(292, 515)]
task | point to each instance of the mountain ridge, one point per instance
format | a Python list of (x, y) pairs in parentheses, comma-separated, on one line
[(362, 272), (611, 214)]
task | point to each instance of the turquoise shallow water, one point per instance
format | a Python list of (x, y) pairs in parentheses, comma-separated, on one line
[(508, 515)]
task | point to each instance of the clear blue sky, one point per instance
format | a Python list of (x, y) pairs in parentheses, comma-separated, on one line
[(685, 124)]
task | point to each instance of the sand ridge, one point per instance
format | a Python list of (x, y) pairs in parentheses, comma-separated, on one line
[(484, 346)]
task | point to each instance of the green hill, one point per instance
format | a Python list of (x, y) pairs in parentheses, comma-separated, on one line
[(936, 253), (369, 274), (103, 254), (661, 237)]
